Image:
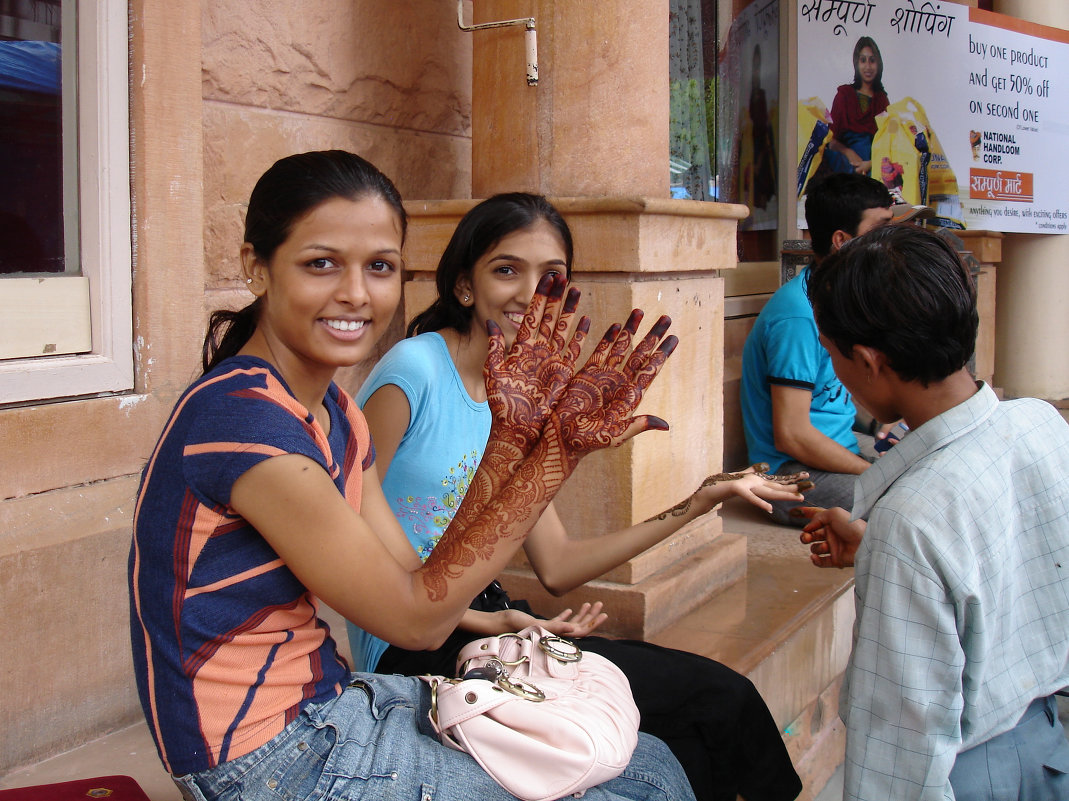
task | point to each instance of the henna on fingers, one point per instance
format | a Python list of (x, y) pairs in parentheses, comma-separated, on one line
[(546, 419), (595, 410)]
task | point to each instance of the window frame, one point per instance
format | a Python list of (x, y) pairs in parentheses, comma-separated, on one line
[(105, 242)]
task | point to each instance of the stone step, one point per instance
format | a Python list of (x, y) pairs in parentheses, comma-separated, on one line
[(787, 626)]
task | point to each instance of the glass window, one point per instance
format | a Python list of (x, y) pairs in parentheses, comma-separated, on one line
[(64, 212), (31, 140), (724, 73)]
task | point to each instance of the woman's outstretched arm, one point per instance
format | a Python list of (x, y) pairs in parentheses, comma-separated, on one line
[(563, 563)]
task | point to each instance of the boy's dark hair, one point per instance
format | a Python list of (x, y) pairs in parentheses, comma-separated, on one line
[(837, 203), (903, 291)]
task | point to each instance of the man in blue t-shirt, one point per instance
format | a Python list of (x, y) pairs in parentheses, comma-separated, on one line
[(797, 414)]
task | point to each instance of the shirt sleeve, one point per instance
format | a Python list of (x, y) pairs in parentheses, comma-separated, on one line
[(840, 122), (793, 353), (236, 430), (902, 701)]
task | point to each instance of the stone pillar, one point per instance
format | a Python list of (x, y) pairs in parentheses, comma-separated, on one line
[(986, 248), (1033, 279), (593, 136)]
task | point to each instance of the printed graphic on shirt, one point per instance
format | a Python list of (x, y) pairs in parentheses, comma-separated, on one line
[(432, 515)]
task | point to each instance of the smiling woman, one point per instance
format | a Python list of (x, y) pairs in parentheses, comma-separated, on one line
[(328, 292), (262, 497)]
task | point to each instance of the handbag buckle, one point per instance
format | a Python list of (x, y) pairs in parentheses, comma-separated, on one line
[(560, 649), (520, 687), (510, 663)]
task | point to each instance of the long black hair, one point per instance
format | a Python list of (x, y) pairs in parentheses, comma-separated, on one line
[(478, 231), (877, 82), (290, 189)]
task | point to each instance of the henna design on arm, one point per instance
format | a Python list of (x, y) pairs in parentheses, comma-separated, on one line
[(523, 384), (593, 410), (760, 469)]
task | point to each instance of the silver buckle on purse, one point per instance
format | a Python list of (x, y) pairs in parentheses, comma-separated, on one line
[(560, 649)]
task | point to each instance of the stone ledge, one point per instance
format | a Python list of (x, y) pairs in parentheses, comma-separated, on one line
[(638, 611)]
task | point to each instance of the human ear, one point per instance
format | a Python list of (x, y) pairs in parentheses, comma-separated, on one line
[(463, 291), (872, 360), (839, 238), (253, 269)]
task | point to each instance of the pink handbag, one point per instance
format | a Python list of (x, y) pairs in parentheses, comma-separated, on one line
[(544, 719)]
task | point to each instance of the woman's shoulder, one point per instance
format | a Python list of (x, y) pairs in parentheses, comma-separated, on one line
[(408, 364), (235, 379)]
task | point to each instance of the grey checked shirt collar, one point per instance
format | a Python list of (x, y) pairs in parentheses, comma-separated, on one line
[(918, 443)]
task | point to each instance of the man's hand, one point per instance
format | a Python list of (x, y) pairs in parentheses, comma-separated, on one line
[(831, 537)]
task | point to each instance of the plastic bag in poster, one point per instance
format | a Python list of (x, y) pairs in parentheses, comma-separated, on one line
[(814, 133), (908, 158)]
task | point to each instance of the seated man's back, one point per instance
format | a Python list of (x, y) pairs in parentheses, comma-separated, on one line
[(797, 415)]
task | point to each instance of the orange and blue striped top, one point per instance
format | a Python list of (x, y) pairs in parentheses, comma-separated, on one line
[(227, 643)]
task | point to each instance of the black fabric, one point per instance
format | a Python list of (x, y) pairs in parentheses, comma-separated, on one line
[(712, 718)]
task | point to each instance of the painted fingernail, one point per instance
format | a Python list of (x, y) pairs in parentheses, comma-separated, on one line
[(656, 423), (668, 345), (661, 326), (571, 303), (584, 324), (633, 321), (611, 334), (544, 283), (805, 485), (557, 289)]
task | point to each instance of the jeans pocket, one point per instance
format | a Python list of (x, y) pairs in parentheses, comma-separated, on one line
[(297, 771)]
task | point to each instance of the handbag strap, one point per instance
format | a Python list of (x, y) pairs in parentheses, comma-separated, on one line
[(537, 650)]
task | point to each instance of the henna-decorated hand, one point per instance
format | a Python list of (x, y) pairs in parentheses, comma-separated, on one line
[(755, 484), (523, 385), (595, 410)]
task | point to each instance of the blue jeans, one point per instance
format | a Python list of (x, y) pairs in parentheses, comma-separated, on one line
[(374, 741)]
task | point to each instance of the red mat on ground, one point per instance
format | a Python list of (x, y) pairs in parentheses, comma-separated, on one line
[(113, 788)]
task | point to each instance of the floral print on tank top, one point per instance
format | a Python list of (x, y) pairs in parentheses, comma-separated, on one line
[(431, 516)]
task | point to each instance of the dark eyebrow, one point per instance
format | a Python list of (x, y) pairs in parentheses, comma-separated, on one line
[(508, 257), (331, 249)]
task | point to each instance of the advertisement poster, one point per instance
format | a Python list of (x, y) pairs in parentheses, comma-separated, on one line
[(958, 108), (749, 112)]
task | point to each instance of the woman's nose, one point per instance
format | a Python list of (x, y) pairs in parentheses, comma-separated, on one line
[(352, 286)]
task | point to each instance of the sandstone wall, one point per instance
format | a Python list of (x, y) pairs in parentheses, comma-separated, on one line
[(219, 90)]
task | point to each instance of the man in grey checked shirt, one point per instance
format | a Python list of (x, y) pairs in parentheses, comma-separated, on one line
[(962, 575)]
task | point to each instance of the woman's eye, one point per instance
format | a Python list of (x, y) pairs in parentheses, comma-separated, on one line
[(320, 264), (382, 267), (506, 269)]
